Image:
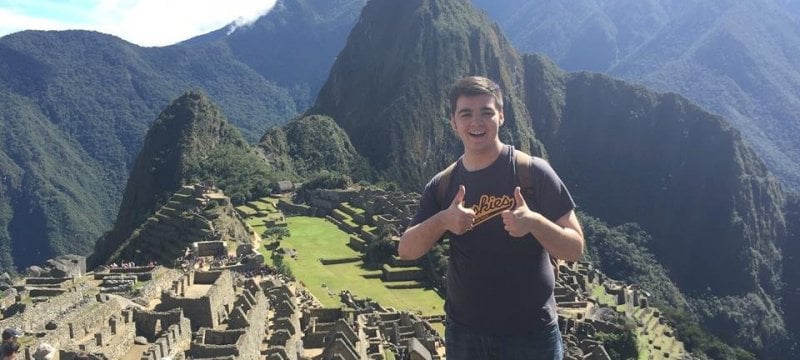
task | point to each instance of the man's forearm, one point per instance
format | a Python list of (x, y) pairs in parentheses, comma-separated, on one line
[(562, 242), (418, 239)]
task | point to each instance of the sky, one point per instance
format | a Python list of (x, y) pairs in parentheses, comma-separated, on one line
[(142, 22)]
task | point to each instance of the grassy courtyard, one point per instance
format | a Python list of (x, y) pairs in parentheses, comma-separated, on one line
[(316, 238)]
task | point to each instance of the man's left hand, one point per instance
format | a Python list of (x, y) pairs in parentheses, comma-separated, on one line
[(518, 221)]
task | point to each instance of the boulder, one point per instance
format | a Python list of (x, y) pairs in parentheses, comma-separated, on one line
[(34, 271)]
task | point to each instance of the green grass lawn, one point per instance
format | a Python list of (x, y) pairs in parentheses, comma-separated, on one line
[(246, 210), (316, 238), (352, 208), (262, 205)]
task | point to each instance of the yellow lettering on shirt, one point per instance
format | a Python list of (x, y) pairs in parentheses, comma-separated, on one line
[(490, 206)]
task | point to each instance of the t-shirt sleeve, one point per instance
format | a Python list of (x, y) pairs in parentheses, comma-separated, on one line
[(551, 197), (428, 206)]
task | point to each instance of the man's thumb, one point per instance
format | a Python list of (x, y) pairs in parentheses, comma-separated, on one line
[(459, 196), (520, 201)]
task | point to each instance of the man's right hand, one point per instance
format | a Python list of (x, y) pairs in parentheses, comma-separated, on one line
[(456, 218)]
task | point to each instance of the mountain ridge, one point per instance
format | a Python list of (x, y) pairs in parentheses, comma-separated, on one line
[(737, 59), (187, 135), (100, 93)]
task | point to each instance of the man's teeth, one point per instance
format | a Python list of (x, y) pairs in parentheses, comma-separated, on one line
[(477, 133)]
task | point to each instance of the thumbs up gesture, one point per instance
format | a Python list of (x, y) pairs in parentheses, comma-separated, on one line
[(458, 219), (516, 221)]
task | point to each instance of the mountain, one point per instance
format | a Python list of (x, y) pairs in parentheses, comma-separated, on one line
[(386, 91), (81, 101), (629, 155), (190, 141), (740, 59), (92, 96), (715, 213), (50, 195), (791, 264), (310, 144), (294, 44)]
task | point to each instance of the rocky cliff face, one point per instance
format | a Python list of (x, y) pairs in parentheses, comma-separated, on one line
[(387, 91)]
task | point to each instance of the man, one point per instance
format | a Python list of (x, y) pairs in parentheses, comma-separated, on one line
[(500, 302), (10, 349), (11, 335)]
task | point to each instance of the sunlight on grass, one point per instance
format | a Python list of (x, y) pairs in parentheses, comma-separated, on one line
[(316, 238)]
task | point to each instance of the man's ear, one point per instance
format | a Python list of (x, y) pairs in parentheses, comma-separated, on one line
[(502, 118), (453, 123)]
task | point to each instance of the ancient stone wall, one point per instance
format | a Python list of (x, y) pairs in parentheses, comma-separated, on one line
[(207, 310), (151, 323), (209, 248), (172, 342), (36, 315), (162, 279), (99, 326)]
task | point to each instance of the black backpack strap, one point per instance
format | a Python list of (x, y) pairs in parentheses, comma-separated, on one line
[(444, 182), (523, 164), (522, 168)]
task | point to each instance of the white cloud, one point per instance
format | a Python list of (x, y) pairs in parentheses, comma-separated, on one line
[(143, 22)]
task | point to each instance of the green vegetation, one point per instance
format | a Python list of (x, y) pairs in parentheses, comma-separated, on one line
[(315, 238), (620, 346), (189, 142), (79, 104), (400, 124), (327, 180), (310, 145), (621, 253), (751, 73), (381, 249), (239, 172)]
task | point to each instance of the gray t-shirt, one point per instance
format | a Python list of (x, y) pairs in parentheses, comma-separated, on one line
[(498, 284)]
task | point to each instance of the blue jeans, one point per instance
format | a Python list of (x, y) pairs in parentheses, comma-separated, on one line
[(462, 343)]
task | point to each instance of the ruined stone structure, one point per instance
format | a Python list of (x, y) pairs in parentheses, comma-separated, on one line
[(152, 312), (168, 333), (246, 325), (195, 213), (581, 316), (284, 338), (204, 297)]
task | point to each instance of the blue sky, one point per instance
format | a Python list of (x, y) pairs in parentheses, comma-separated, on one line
[(143, 22)]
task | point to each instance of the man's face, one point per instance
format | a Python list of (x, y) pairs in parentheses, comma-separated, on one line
[(477, 120)]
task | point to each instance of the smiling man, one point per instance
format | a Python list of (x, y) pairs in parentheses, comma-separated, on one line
[(500, 302)]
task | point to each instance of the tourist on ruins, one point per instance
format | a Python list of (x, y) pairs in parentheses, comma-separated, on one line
[(10, 349), (44, 351), (500, 281), (11, 334)]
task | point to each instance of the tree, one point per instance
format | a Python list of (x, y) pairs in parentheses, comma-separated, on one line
[(381, 249)]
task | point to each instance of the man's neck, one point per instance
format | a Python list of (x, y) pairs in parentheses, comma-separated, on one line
[(474, 161)]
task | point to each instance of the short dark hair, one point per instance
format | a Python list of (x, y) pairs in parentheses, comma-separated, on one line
[(10, 348), (474, 86), (10, 333)]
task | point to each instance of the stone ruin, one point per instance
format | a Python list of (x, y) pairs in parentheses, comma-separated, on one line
[(195, 213), (366, 330), (223, 312), (581, 316)]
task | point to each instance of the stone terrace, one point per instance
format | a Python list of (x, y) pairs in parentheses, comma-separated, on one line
[(194, 213), (585, 297)]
